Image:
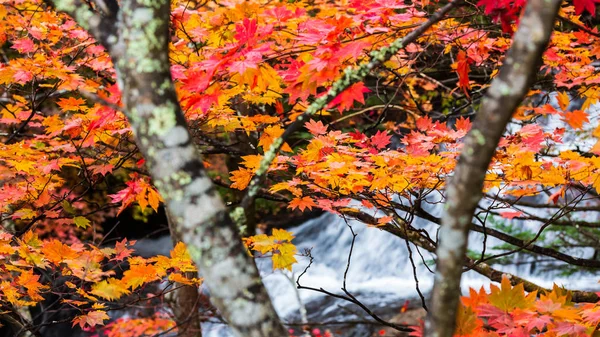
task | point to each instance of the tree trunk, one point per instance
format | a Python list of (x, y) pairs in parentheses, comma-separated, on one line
[(136, 35), (464, 189), (186, 300)]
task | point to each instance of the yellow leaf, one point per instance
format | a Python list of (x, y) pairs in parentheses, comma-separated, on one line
[(110, 289), (252, 162), (269, 135), (179, 278), (180, 258), (154, 199), (563, 100), (282, 235), (263, 243), (285, 258), (81, 222)]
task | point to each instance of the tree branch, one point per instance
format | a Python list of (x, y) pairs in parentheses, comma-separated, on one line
[(400, 229), (464, 190), (350, 77)]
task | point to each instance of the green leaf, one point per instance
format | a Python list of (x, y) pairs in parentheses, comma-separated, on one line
[(81, 222), (67, 207)]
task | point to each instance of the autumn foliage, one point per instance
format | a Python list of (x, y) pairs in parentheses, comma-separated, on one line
[(244, 71)]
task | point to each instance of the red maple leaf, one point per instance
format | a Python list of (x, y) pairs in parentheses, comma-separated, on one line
[(23, 45), (532, 136), (245, 31), (463, 124), (588, 5), (424, 123), (462, 69), (511, 215), (380, 140), (345, 100)]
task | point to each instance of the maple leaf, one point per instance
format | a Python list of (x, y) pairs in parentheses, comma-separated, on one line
[(252, 161), (91, 319), (575, 119), (381, 140), (302, 203), (139, 274), (24, 213), (539, 322), (154, 198), (511, 214), (316, 128), (269, 135), (102, 169), (592, 315), (56, 251), (81, 222), (462, 69), (570, 329), (180, 258), (262, 243), (245, 31), (463, 124), (127, 195), (284, 257), (424, 123), (241, 178), (508, 298), (279, 244), (587, 5), (475, 298), (70, 104), (467, 322), (31, 282), (179, 278), (563, 100), (121, 250), (345, 100), (110, 289), (490, 5), (24, 45), (532, 136), (32, 239)]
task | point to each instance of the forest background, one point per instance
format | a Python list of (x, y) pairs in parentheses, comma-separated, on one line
[(228, 119)]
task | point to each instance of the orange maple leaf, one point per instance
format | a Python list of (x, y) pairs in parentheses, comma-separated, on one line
[(575, 119), (241, 178), (302, 203), (92, 318), (57, 252)]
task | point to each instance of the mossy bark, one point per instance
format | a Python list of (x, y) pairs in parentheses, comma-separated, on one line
[(464, 189), (136, 37)]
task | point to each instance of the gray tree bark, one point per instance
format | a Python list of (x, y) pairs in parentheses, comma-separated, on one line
[(136, 35), (464, 190)]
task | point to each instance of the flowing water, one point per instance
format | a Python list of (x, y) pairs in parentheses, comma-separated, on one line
[(381, 274)]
